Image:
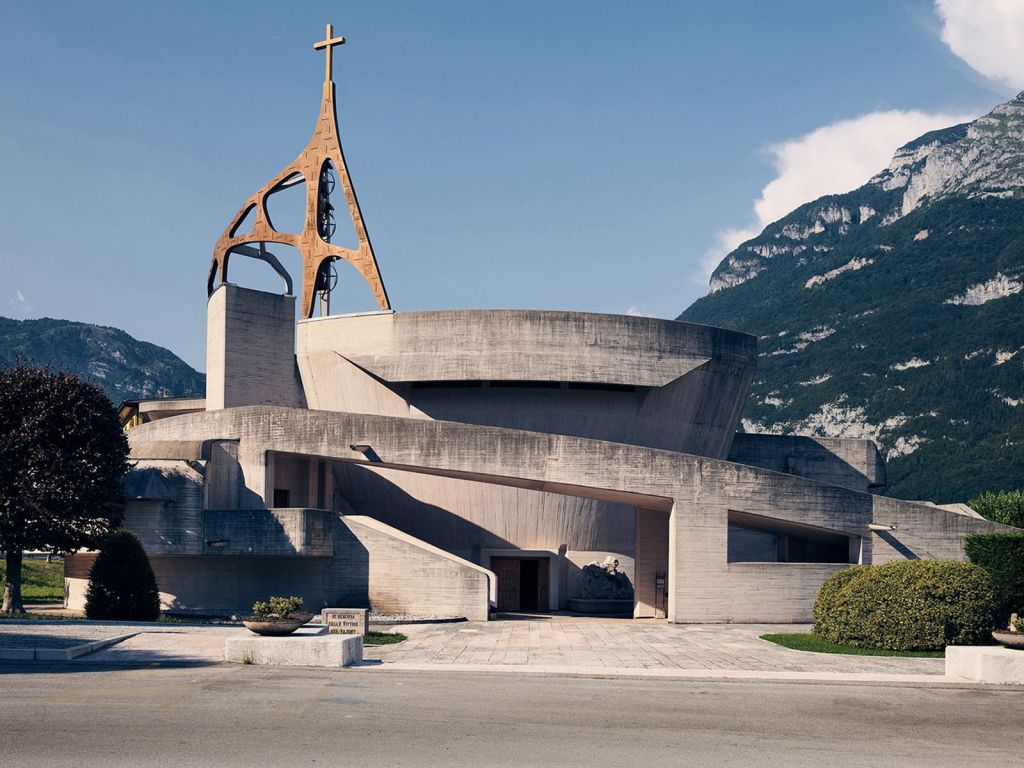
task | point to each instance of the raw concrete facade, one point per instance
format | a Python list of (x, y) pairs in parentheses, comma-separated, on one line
[(421, 460), (455, 462)]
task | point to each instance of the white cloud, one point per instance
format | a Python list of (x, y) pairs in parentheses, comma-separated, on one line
[(829, 160), (19, 303), (635, 312), (839, 157), (988, 35)]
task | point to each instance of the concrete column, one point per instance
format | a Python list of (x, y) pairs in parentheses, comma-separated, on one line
[(652, 557), (256, 490), (250, 349), (223, 476)]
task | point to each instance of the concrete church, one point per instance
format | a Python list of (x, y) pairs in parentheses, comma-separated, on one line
[(454, 463)]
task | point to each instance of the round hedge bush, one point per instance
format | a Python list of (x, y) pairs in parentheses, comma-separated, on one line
[(122, 586), (906, 605)]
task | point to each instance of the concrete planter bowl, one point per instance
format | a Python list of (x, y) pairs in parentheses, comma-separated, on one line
[(1009, 639), (277, 627)]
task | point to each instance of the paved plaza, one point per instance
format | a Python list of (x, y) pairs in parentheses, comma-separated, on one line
[(625, 645), (541, 645)]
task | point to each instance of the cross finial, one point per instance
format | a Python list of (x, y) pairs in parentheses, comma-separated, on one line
[(329, 42)]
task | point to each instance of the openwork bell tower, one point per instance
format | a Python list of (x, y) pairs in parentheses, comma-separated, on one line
[(315, 165)]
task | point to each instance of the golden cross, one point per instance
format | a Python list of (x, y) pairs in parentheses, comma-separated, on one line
[(329, 44)]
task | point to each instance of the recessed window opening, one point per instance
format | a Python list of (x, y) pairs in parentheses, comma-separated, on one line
[(758, 539)]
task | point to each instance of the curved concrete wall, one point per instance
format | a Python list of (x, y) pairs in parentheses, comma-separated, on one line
[(644, 381), (464, 516), (692, 497)]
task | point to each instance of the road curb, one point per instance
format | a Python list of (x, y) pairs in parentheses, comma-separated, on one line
[(692, 675)]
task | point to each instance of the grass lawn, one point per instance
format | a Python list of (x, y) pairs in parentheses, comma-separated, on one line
[(805, 641), (382, 638), (41, 582)]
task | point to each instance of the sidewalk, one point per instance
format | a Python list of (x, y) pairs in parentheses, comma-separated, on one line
[(550, 645)]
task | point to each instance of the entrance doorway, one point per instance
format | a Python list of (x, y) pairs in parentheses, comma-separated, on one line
[(523, 583)]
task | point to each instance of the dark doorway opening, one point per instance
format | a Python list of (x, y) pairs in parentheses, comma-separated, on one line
[(523, 583), (528, 583)]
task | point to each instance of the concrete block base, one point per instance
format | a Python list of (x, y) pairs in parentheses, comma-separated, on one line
[(307, 647), (985, 664)]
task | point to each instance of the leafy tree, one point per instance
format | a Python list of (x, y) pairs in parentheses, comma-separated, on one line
[(1005, 507), (122, 586), (62, 456)]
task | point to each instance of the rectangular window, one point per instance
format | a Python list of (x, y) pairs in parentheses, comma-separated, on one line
[(760, 539)]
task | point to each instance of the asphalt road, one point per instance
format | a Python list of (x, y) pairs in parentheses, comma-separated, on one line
[(258, 716)]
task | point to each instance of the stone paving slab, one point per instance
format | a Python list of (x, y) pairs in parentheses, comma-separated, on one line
[(188, 645), (627, 645), (35, 642), (147, 642), (40, 635)]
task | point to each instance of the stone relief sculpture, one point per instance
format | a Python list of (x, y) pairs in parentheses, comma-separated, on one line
[(604, 581)]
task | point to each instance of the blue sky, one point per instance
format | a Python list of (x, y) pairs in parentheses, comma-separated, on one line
[(567, 155)]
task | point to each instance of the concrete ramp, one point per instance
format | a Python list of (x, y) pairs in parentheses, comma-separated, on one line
[(406, 575)]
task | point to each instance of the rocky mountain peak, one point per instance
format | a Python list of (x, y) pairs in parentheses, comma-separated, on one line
[(982, 158), (896, 312)]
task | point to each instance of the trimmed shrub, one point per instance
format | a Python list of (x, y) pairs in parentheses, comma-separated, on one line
[(828, 595), (906, 605), (276, 608), (1002, 557), (1006, 507), (121, 583)]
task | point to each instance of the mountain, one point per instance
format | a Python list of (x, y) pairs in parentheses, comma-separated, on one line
[(896, 312), (124, 367)]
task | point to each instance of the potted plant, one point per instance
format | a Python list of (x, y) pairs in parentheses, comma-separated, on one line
[(277, 616), (1013, 636)]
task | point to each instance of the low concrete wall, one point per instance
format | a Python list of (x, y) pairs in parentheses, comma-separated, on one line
[(268, 532), (405, 575), (373, 565), (985, 664), (209, 584), (310, 646)]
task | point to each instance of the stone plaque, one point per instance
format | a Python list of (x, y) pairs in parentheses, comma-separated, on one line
[(346, 621)]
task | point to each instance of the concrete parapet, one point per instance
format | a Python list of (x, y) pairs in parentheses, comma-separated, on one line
[(408, 576), (846, 462), (268, 532), (310, 646), (985, 664), (658, 383)]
